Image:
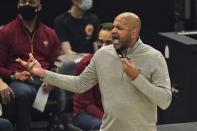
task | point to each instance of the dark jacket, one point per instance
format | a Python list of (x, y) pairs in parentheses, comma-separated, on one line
[(16, 43)]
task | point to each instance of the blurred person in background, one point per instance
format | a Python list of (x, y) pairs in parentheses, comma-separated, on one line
[(88, 109), (77, 28), (18, 38)]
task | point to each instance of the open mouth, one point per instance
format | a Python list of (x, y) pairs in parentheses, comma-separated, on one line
[(116, 39)]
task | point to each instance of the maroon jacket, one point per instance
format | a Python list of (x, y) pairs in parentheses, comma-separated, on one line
[(89, 101), (16, 43)]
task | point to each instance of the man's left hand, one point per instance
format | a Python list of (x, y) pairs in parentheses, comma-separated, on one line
[(130, 68)]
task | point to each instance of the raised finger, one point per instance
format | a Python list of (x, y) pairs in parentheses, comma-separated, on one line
[(28, 63), (31, 56), (23, 63)]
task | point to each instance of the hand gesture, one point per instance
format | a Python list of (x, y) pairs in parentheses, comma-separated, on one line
[(130, 68), (33, 66)]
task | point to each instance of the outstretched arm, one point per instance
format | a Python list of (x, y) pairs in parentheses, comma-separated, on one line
[(78, 84)]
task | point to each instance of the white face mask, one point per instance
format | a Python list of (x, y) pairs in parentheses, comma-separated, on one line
[(86, 4)]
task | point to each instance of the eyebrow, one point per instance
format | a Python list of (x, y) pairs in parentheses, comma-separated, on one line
[(117, 26)]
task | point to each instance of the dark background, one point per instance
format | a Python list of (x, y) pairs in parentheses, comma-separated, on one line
[(157, 15)]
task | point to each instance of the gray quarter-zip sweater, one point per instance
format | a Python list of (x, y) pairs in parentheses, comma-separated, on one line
[(129, 105)]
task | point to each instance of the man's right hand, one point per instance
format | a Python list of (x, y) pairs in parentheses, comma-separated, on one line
[(33, 66), (6, 92)]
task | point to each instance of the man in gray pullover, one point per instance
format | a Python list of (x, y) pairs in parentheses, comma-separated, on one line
[(132, 83)]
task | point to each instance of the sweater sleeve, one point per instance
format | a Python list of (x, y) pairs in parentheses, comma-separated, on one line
[(158, 90), (78, 84)]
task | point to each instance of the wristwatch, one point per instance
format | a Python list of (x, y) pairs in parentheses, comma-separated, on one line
[(12, 75)]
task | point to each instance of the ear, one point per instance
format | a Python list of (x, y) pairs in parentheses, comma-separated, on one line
[(135, 33)]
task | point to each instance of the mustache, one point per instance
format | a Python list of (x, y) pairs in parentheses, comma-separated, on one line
[(115, 36)]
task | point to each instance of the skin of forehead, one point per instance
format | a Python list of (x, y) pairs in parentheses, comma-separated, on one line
[(105, 34), (130, 20)]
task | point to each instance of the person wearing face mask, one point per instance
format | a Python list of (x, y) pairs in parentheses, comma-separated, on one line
[(18, 38), (77, 28), (88, 109)]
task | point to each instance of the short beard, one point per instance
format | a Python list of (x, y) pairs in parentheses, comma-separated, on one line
[(125, 46)]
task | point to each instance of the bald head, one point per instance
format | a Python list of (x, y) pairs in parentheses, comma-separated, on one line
[(126, 30), (131, 20)]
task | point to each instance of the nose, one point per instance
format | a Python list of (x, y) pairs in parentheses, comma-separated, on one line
[(104, 44), (114, 30)]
